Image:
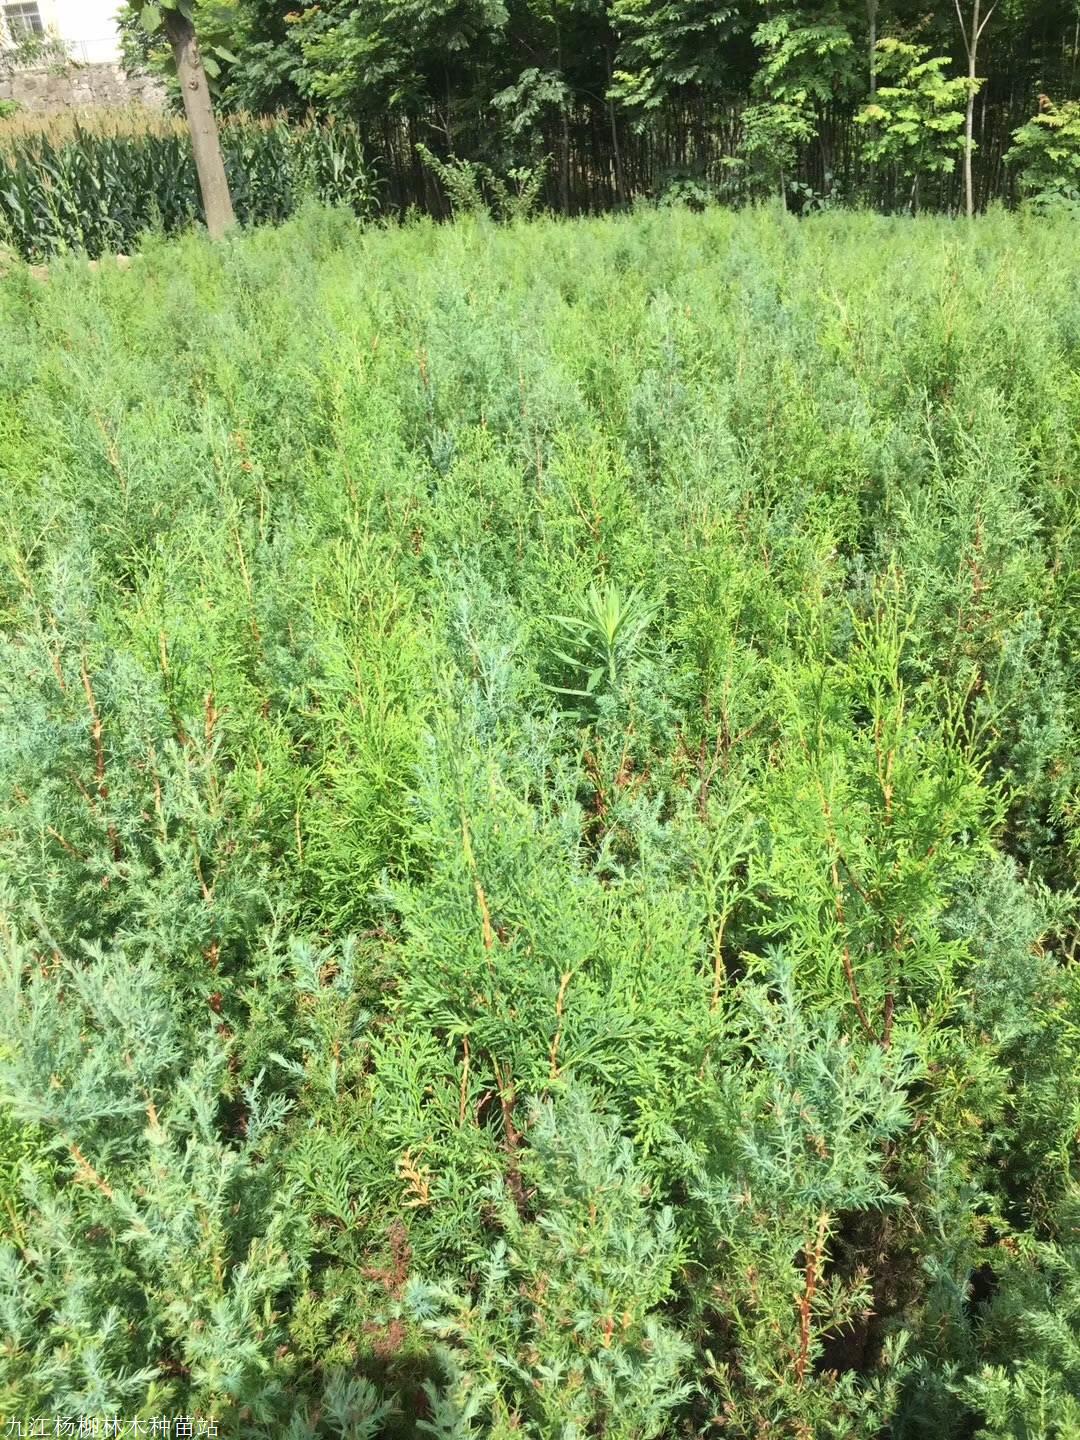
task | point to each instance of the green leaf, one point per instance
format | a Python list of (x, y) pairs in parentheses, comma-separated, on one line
[(150, 18)]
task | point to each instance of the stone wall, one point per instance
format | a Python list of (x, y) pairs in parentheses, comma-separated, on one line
[(80, 86)]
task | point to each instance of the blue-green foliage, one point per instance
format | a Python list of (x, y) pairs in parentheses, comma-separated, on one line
[(538, 824)]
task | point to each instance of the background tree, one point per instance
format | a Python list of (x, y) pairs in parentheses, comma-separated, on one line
[(671, 50), (807, 67), (624, 95), (1046, 153), (914, 122)]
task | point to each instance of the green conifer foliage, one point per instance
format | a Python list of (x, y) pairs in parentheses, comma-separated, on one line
[(538, 830)]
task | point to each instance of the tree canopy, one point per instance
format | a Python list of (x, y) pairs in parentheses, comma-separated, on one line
[(617, 96)]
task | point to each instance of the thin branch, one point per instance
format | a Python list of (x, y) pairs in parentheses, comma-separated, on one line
[(464, 1081), (849, 969), (963, 28), (88, 1175), (66, 844), (486, 930), (718, 961), (554, 1051), (99, 758), (95, 733)]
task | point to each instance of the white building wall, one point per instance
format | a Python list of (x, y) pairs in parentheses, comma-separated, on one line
[(88, 26)]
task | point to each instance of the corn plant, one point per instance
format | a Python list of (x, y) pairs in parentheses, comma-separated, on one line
[(98, 187)]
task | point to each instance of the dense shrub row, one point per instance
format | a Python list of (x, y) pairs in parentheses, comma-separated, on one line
[(538, 815)]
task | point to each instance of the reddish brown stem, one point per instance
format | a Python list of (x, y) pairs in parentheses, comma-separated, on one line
[(511, 1137), (806, 1299), (88, 1175)]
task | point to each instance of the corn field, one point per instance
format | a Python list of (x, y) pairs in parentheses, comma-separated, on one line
[(96, 184)]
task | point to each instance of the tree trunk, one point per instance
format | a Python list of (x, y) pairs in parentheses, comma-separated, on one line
[(825, 149), (564, 161), (620, 184), (871, 18), (969, 121), (564, 135), (217, 202)]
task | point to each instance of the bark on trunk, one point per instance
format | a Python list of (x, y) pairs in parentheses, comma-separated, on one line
[(969, 128), (564, 135), (217, 202), (564, 162)]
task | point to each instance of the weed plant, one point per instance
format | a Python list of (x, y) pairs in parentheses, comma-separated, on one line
[(539, 830)]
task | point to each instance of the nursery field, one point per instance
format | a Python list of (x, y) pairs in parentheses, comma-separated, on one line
[(540, 832)]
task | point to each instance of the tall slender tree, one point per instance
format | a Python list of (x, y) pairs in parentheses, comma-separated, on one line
[(972, 25)]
